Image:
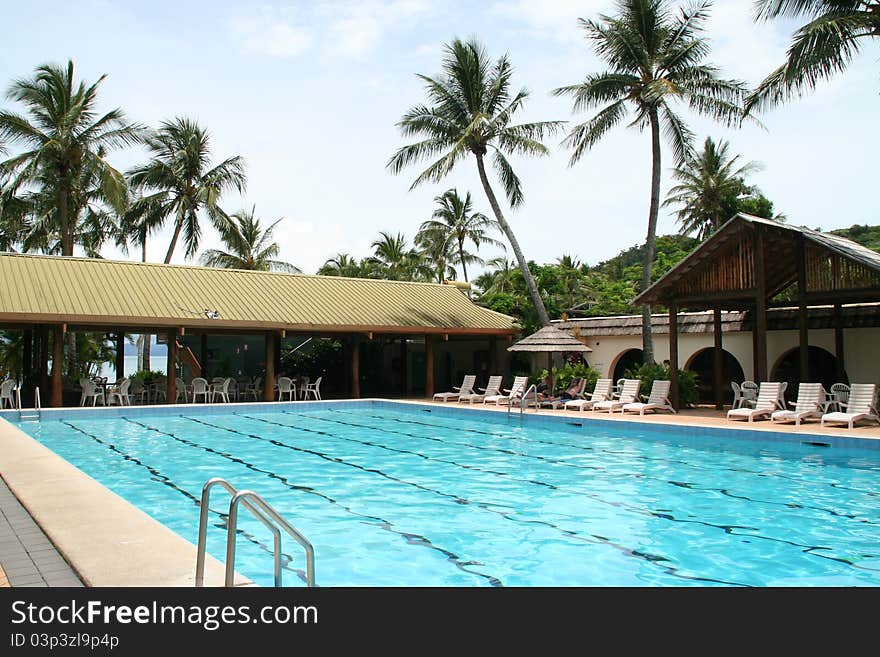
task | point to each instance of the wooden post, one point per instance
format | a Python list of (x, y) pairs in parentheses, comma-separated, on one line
[(355, 367), (550, 372), (269, 383), (429, 366), (27, 365), (43, 366), (171, 368), (840, 375), (120, 355), (760, 327), (57, 365), (204, 355), (803, 327), (277, 339), (718, 360), (673, 356), (493, 355), (404, 370)]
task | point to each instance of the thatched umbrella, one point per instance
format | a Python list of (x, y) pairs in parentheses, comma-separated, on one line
[(550, 340)]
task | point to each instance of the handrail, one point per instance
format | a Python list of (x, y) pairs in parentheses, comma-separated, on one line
[(232, 522), (243, 497), (523, 402), (37, 409)]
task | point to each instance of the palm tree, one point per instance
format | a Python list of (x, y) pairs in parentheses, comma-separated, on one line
[(179, 182), (342, 264), (66, 142), (471, 113), (710, 185), (397, 261), (655, 57), (821, 48), (454, 218), (250, 246), (436, 247), (500, 278)]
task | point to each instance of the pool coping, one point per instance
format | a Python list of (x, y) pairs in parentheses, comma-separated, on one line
[(110, 542), (106, 540)]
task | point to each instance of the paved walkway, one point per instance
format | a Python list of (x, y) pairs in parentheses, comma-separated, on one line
[(27, 556)]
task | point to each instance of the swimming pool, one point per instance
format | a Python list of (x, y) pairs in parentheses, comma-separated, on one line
[(400, 494)]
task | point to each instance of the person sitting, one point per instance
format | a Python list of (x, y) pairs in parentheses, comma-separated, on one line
[(576, 387)]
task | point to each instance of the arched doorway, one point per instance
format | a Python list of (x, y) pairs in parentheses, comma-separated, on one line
[(627, 360), (703, 363), (823, 369)]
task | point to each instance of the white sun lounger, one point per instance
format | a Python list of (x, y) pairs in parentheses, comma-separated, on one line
[(860, 406), (601, 392), (493, 387), (809, 402), (658, 400), (515, 393), (628, 395), (467, 387), (768, 401)]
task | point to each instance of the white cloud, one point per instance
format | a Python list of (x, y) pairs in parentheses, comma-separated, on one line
[(271, 32), (366, 23)]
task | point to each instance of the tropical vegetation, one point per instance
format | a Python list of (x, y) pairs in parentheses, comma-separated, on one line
[(179, 182), (471, 112), (712, 188), (834, 33), (249, 246), (655, 58)]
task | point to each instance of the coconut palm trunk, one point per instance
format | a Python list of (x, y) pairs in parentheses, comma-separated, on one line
[(651, 238), (514, 244)]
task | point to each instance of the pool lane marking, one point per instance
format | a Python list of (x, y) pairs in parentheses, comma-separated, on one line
[(167, 481), (728, 529), (489, 506), (647, 459), (382, 523)]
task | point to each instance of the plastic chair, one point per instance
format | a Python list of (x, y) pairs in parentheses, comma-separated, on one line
[(749, 392), (91, 390), (738, 398), (7, 388), (314, 389), (120, 392), (201, 388), (221, 390), (286, 387), (839, 396)]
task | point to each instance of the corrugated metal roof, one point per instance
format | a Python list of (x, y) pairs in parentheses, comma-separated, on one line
[(116, 293)]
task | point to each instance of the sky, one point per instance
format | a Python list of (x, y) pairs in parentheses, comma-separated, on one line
[(309, 94)]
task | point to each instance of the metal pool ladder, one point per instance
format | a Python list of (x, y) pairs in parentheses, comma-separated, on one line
[(533, 389), (34, 413), (263, 512)]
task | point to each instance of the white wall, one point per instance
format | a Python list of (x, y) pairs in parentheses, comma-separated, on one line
[(861, 349)]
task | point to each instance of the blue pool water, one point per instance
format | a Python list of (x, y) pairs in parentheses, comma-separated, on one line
[(396, 495)]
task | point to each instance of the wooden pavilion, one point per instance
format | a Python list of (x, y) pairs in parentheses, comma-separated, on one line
[(754, 264)]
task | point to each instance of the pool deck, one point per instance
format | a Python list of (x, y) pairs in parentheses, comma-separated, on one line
[(60, 527), (106, 540)]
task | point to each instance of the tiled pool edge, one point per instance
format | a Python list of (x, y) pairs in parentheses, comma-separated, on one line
[(107, 540)]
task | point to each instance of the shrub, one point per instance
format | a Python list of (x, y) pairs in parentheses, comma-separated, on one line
[(146, 375), (563, 376), (688, 392)]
